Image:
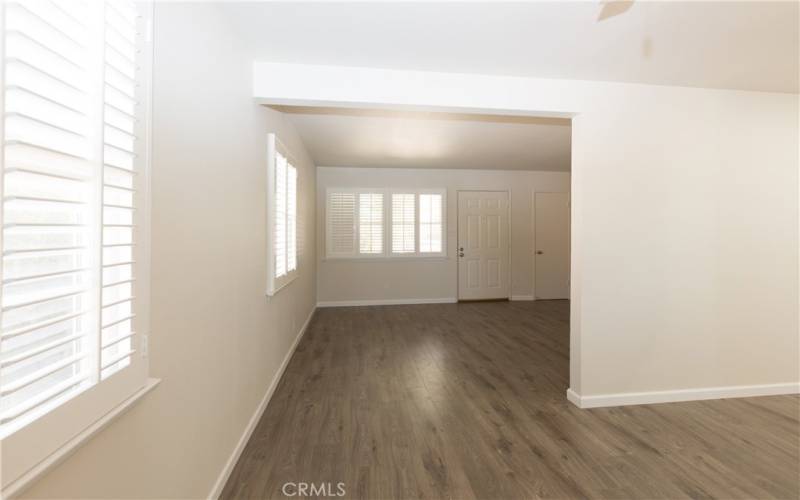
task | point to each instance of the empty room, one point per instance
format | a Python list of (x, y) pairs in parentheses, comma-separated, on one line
[(399, 250)]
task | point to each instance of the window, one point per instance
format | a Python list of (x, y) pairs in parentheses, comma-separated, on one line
[(356, 219), (430, 223), (281, 216), (341, 224), (370, 223), (403, 227), (75, 221)]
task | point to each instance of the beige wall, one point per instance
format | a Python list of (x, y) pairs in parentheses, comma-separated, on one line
[(343, 280), (687, 207), (216, 340)]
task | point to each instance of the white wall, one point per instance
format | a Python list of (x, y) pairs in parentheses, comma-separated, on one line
[(216, 340), (396, 279), (684, 217)]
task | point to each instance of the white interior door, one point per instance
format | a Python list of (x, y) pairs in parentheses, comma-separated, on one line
[(483, 245), (551, 219)]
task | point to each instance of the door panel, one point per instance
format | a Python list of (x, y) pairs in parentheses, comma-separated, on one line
[(473, 273), (493, 273), (474, 231), (483, 239), (551, 270)]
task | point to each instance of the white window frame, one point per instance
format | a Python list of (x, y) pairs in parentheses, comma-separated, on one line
[(387, 253), (31, 450), (356, 253), (419, 253), (275, 284)]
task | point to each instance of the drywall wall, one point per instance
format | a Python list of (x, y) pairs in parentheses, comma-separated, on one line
[(684, 217), (397, 278), (216, 340)]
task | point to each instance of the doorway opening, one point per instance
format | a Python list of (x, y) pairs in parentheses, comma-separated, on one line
[(439, 206)]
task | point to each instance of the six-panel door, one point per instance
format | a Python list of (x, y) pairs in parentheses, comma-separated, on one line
[(483, 245)]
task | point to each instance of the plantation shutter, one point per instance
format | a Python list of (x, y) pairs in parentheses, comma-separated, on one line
[(281, 216), (370, 223), (291, 218), (70, 141), (430, 223), (285, 215), (279, 244), (341, 228), (403, 225), (120, 103)]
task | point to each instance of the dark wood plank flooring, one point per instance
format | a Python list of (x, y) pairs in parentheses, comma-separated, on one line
[(468, 401)]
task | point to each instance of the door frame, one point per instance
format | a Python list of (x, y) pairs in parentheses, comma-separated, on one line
[(510, 237), (534, 192)]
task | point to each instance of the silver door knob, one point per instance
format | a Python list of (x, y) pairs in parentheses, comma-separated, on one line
[(539, 252), (461, 254)]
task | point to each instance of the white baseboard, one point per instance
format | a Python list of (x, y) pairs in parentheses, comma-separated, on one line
[(642, 398), (385, 302), (522, 297), (574, 398), (216, 491)]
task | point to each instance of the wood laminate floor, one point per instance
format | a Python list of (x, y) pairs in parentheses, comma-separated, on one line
[(468, 401)]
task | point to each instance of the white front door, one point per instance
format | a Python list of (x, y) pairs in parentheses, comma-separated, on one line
[(483, 245), (551, 266)]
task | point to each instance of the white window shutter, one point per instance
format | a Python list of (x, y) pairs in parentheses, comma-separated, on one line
[(291, 219), (281, 216), (48, 261), (280, 195), (430, 223), (341, 220), (71, 139), (403, 224), (370, 223), (120, 110)]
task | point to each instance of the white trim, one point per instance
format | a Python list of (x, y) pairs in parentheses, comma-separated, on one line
[(408, 257), (385, 302), (522, 297), (652, 397), (24, 481), (219, 484)]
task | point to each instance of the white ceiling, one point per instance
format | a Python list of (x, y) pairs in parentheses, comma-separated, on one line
[(736, 45), (372, 138)]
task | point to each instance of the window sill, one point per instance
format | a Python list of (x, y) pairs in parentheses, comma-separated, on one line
[(384, 260), (76, 442), (284, 282)]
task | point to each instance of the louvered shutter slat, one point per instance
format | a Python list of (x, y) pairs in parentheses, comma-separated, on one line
[(403, 214), (291, 219), (46, 212), (68, 201), (341, 224), (430, 223), (118, 210), (370, 216), (281, 176)]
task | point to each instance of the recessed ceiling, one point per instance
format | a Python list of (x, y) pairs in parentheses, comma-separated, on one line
[(734, 45), (374, 138)]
